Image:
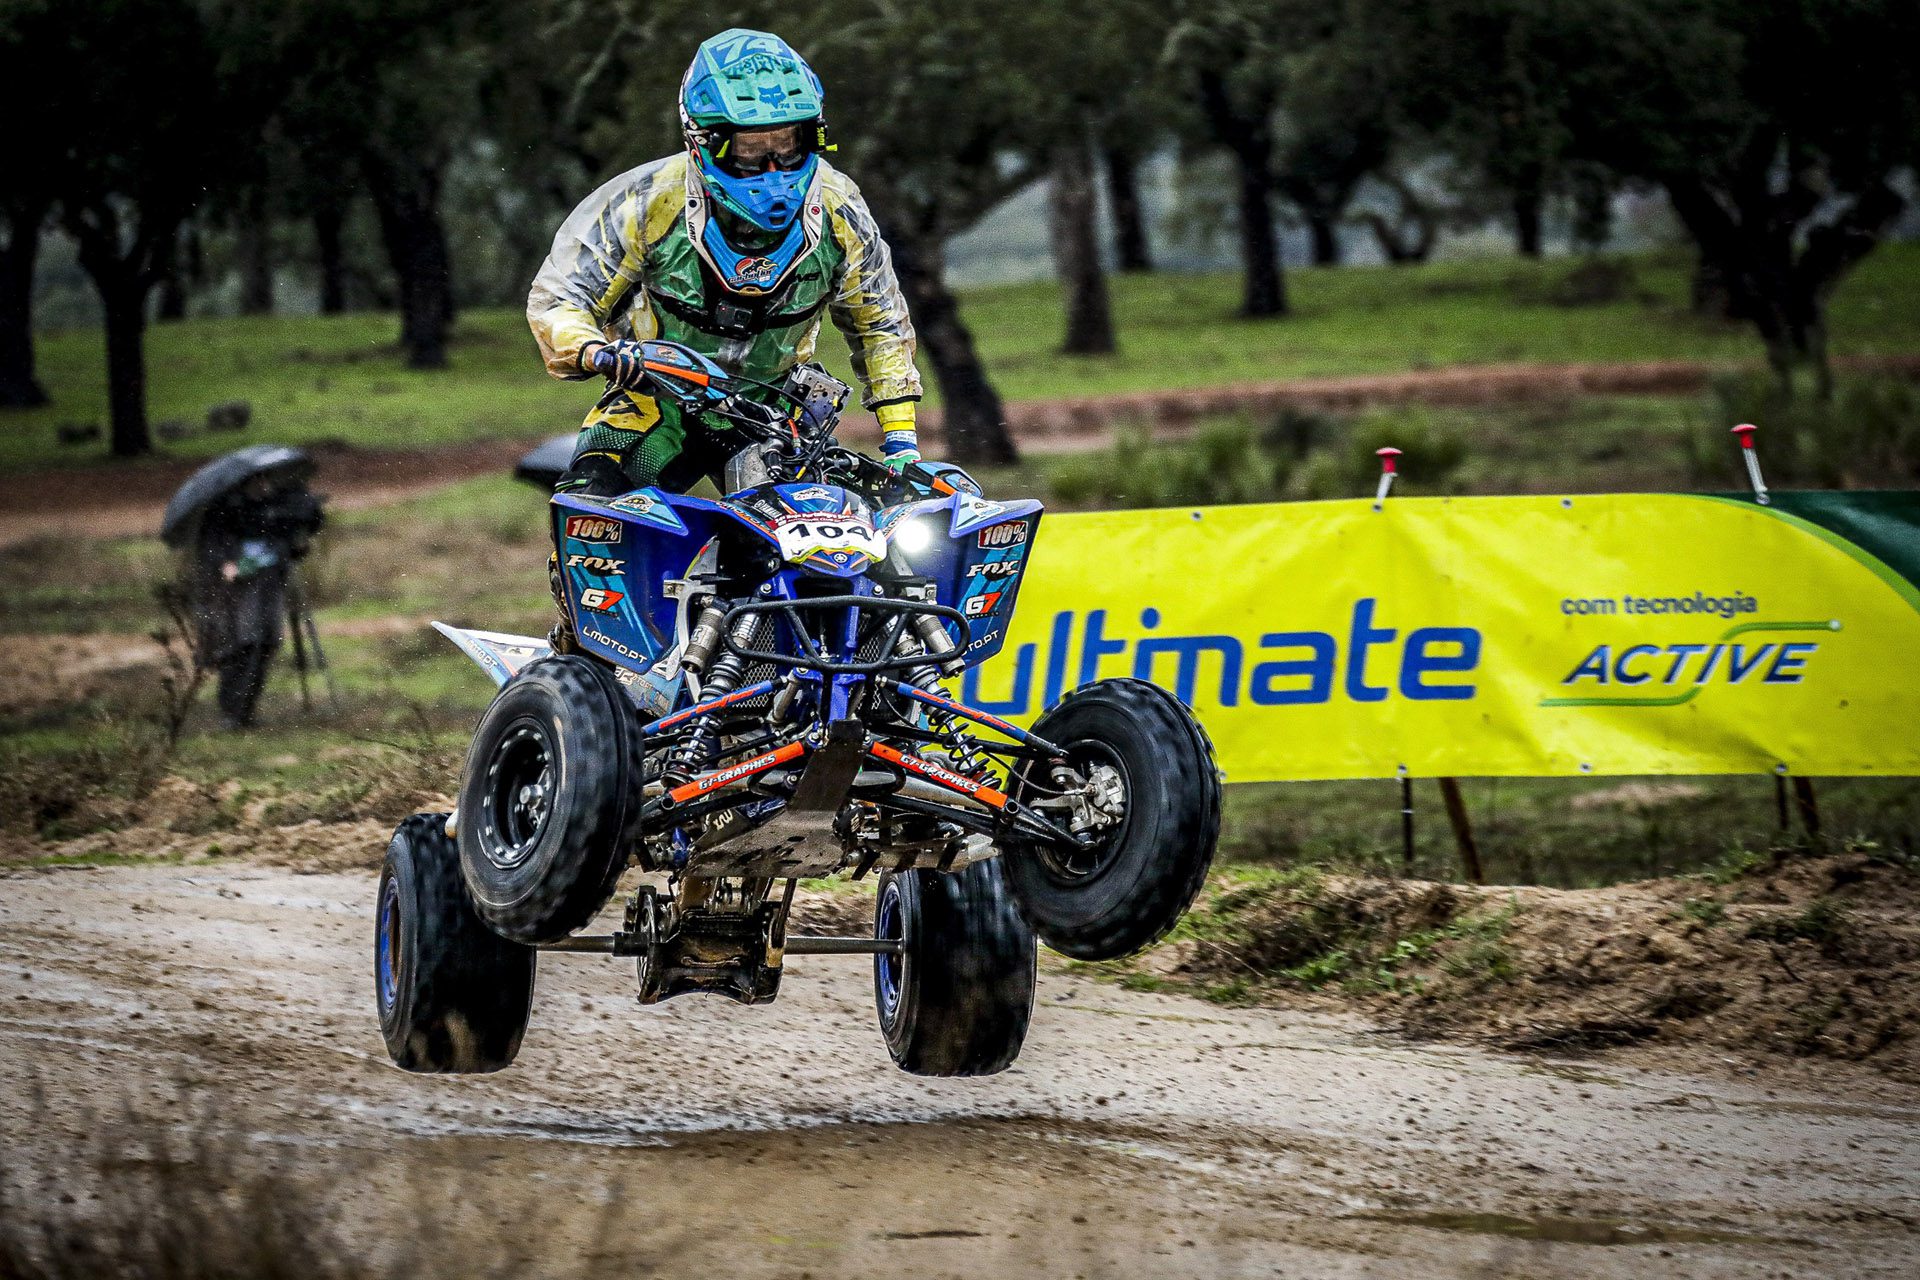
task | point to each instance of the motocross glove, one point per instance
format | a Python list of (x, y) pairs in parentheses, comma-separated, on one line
[(900, 448), (622, 364)]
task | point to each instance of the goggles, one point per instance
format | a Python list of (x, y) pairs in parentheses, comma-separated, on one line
[(749, 152), (746, 153)]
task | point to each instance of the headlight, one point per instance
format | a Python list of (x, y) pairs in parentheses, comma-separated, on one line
[(913, 537)]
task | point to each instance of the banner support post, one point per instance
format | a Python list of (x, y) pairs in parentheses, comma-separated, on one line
[(1808, 806), (1462, 830), (1406, 820)]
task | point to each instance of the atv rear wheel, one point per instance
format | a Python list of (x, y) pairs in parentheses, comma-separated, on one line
[(956, 999), (550, 799), (1153, 760), (453, 995)]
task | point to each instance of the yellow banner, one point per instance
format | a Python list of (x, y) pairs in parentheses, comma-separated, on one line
[(1522, 636)]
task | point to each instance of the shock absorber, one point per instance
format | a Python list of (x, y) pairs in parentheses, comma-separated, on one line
[(929, 636), (693, 752)]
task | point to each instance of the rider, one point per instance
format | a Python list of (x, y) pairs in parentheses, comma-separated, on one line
[(733, 248)]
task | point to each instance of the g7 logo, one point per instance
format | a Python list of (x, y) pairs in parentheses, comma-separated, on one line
[(601, 600)]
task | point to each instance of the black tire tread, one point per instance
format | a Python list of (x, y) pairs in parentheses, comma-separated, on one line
[(465, 992), (582, 875), (1157, 902), (971, 975)]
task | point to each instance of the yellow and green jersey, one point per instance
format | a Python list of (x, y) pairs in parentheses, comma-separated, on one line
[(625, 265)]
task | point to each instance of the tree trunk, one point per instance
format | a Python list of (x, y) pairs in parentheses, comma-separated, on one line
[(19, 388), (328, 222), (171, 306), (1527, 201), (124, 296), (187, 268), (1265, 287), (1708, 292), (1131, 252), (1076, 253), (1326, 238), (1779, 273), (1248, 134), (407, 200), (975, 420), (256, 254)]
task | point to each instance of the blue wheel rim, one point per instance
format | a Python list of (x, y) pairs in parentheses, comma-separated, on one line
[(387, 943), (889, 971)]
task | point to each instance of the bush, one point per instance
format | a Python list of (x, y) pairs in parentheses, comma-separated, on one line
[(1293, 455), (1428, 455), (1866, 437), (1224, 462)]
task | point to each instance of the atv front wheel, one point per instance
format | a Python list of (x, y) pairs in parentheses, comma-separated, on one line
[(1153, 801), (453, 995), (550, 799), (955, 1000)]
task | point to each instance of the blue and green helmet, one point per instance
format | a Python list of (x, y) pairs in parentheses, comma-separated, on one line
[(741, 80)]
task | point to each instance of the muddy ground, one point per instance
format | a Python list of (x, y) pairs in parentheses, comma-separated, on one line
[(1139, 1133)]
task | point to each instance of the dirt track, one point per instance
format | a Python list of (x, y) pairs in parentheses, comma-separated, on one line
[(1138, 1135)]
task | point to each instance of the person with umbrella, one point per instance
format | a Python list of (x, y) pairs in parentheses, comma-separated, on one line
[(244, 519)]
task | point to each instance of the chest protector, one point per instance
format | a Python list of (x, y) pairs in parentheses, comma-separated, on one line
[(759, 308)]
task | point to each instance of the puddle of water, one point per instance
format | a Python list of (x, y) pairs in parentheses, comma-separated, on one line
[(1598, 1231)]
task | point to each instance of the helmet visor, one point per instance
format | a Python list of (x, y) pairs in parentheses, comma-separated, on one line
[(744, 153)]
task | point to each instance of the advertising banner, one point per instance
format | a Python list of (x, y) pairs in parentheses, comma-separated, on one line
[(1499, 636)]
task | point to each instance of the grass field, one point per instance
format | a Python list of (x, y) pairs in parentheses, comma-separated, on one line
[(312, 379)]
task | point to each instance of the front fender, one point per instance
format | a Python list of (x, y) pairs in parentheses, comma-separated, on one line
[(499, 655)]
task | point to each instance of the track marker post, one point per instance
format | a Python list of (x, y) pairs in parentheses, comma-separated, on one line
[(1389, 465), (1745, 432)]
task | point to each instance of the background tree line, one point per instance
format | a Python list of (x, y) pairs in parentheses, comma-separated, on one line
[(363, 136)]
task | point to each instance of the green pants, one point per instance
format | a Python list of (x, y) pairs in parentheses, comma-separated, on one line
[(633, 441)]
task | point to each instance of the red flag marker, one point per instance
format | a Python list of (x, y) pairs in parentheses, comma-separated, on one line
[(1745, 431)]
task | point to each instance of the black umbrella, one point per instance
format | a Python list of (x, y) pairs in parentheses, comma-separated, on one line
[(545, 465), (222, 476)]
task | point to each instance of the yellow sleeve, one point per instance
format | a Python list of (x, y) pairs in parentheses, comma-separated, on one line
[(868, 307), (595, 263)]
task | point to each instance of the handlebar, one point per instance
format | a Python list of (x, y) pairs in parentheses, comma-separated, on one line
[(702, 386)]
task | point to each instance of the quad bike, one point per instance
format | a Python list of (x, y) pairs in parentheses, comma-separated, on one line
[(755, 697)]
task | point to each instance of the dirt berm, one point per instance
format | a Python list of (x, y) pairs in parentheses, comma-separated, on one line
[(1795, 953)]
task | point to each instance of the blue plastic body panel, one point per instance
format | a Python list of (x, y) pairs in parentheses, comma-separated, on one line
[(976, 558), (616, 556)]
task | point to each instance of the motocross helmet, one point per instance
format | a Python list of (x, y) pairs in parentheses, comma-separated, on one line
[(752, 82)]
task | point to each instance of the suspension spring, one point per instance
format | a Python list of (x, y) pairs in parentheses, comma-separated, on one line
[(695, 750), (963, 751)]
